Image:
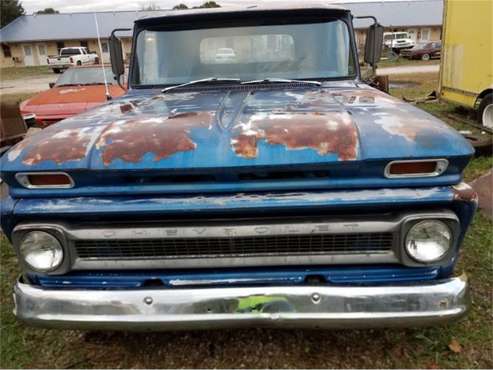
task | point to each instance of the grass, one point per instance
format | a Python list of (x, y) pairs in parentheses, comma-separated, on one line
[(22, 347), (413, 86), (15, 73), (14, 98), (419, 86), (477, 167), (406, 62)]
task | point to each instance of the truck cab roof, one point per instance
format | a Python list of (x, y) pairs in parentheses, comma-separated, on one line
[(289, 6)]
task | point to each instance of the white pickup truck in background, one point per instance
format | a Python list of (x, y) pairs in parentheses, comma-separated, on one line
[(72, 56), (398, 40)]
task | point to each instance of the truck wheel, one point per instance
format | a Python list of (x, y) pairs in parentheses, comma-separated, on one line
[(79, 63), (56, 70), (425, 57), (485, 111)]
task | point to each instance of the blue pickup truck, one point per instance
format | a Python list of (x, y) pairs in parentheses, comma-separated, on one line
[(249, 177)]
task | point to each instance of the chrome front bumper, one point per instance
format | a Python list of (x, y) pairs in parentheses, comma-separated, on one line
[(278, 306)]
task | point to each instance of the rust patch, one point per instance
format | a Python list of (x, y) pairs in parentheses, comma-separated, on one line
[(245, 145), (330, 132), (465, 193), (127, 107), (131, 140), (320, 99), (64, 145), (364, 96)]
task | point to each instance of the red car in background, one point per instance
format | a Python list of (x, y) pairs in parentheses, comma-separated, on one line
[(424, 51), (76, 90)]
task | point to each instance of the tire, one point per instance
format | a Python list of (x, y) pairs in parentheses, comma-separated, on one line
[(485, 111), (56, 70), (79, 63), (425, 57), (96, 60)]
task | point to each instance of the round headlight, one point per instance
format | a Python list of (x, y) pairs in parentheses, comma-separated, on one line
[(41, 251), (428, 241)]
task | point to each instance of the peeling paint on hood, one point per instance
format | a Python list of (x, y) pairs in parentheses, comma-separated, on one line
[(130, 140), (238, 128), (327, 132)]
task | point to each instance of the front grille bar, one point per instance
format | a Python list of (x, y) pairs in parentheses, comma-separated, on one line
[(370, 239), (240, 244)]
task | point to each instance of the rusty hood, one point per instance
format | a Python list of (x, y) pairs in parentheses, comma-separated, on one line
[(341, 123)]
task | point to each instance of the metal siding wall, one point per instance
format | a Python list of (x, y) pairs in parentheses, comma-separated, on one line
[(467, 51)]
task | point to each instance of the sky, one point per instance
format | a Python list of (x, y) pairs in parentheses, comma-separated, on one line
[(71, 6)]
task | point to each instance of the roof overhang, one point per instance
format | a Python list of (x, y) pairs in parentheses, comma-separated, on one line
[(228, 13)]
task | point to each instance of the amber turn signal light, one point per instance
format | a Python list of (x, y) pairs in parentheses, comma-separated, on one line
[(417, 168), (45, 180)]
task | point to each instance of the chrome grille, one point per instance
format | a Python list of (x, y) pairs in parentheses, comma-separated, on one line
[(246, 246)]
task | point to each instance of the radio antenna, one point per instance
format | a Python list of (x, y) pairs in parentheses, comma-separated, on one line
[(106, 88)]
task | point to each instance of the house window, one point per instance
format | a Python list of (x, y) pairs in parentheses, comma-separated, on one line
[(6, 51), (42, 50), (60, 45), (425, 34), (84, 44), (104, 46)]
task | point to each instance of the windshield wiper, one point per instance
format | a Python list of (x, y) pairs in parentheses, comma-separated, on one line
[(281, 80), (202, 81)]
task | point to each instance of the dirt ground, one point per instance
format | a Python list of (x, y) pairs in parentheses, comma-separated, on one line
[(465, 344), (26, 84)]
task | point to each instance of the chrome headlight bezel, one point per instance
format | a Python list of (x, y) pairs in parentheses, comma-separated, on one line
[(20, 233), (431, 249), (37, 245), (452, 224)]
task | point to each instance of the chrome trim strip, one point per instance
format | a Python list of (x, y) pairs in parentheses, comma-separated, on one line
[(274, 306), (222, 262), (233, 230), (441, 167), (23, 179)]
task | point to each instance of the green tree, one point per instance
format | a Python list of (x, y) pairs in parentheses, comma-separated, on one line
[(210, 4), (10, 10), (47, 11), (180, 7)]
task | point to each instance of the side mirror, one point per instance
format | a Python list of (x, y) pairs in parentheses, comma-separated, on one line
[(116, 56), (51, 85), (373, 44)]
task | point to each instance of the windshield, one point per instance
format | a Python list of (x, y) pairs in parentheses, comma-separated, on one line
[(422, 46), (401, 36), (395, 36), (73, 51), (85, 76), (295, 51)]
